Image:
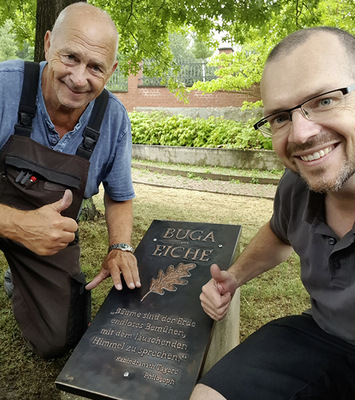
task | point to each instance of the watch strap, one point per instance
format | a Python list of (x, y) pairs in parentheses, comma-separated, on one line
[(121, 246)]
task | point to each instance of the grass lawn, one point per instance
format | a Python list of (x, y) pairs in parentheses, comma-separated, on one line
[(276, 293)]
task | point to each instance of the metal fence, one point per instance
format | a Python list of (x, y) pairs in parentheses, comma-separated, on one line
[(118, 82), (191, 71)]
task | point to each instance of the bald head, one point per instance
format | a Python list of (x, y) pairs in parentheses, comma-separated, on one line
[(313, 58), (81, 55), (78, 13), (298, 38)]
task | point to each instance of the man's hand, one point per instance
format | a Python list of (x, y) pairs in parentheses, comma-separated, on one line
[(218, 292), (118, 262), (44, 230)]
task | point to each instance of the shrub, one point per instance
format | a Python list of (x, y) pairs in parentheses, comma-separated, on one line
[(160, 129)]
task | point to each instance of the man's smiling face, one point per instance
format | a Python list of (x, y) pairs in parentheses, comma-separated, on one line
[(322, 152), (81, 59)]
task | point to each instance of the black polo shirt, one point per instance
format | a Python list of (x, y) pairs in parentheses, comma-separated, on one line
[(327, 263)]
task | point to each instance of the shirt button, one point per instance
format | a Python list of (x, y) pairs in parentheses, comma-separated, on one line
[(332, 241), (336, 264)]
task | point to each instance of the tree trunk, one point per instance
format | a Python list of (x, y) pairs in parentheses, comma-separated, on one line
[(47, 13), (89, 212)]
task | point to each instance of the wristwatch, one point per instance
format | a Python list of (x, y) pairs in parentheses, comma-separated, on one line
[(121, 246)]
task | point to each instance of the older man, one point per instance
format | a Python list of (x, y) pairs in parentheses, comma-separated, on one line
[(308, 90), (38, 213)]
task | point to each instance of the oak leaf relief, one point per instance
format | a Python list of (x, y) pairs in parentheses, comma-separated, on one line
[(167, 280)]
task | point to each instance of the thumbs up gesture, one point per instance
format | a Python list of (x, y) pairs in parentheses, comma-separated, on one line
[(44, 230), (218, 292), (64, 202)]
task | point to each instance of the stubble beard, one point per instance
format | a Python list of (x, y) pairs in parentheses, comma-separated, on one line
[(317, 182), (320, 185)]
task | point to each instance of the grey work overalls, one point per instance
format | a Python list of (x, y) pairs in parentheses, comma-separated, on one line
[(49, 301)]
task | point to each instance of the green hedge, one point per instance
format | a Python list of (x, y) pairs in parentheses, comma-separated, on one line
[(160, 129)]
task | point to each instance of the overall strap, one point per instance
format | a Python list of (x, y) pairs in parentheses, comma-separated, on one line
[(27, 111), (27, 108), (92, 131)]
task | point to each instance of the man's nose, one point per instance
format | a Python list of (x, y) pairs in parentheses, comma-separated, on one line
[(79, 75), (302, 128)]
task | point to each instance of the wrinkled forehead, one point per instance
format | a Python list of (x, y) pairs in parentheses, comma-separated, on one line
[(320, 64), (87, 23), (87, 39)]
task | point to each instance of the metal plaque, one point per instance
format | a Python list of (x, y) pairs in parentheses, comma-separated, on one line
[(150, 343)]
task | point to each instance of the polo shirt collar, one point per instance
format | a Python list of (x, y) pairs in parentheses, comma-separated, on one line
[(314, 215), (314, 211)]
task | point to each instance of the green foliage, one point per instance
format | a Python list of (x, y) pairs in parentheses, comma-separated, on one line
[(180, 45), (143, 25), (9, 48), (8, 43), (259, 27), (144, 28), (185, 45), (252, 26), (23, 14), (157, 128), (237, 71), (201, 49)]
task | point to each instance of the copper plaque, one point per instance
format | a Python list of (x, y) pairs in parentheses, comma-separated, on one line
[(150, 343)]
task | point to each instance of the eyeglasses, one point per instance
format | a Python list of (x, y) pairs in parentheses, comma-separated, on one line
[(315, 109)]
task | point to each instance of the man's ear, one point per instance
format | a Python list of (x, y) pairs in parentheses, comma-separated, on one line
[(113, 68), (47, 43)]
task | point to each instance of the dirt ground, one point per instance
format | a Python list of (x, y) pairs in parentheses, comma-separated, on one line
[(204, 185)]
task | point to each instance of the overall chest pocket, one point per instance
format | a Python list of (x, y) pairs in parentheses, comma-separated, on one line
[(33, 176), (31, 185)]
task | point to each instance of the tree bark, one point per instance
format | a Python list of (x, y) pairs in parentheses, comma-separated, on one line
[(89, 212), (47, 13)]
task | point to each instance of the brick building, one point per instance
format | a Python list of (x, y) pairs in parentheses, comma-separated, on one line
[(139, 96)]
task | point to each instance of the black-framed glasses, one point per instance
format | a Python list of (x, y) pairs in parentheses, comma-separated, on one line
[(315, 109)]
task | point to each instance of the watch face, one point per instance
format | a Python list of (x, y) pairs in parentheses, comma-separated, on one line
[(125, 247), (121, 246)]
